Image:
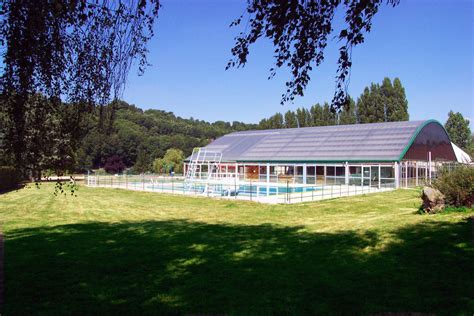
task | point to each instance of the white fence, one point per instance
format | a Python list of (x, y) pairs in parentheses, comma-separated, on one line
[(236, 189)]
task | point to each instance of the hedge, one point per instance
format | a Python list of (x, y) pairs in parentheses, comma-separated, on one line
[(457, 185), (9, 178)]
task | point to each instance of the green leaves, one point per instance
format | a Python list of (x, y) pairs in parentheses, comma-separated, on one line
[(299, 31), (458, 130), (79, 51)]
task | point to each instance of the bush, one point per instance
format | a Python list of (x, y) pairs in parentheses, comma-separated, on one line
[(457, 185), (114, 164), (9, 178)]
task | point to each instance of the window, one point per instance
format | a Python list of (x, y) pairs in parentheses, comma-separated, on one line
[(340, 172)]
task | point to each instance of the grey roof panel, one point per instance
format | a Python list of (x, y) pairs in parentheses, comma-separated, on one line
[(375, 141)]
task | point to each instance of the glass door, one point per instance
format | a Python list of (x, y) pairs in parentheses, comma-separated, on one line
[(366, 175), (374, 176)]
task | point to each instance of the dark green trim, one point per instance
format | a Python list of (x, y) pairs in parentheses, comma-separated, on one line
[(417, 132)]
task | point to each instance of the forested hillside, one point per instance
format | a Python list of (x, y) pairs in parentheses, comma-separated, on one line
[(130, 132)]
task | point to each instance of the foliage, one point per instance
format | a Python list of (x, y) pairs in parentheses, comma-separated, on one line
[(9, 178), (458, 130), (125, 252), (151, 131), (383, 103), (142, 164), (172, 161), (299, 31), (159, 166), (457, 185), (80, 51), (114, 164), (378, 103)]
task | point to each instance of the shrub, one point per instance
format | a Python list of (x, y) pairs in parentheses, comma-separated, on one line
[(457, 185), (9, 178), (114, 164)]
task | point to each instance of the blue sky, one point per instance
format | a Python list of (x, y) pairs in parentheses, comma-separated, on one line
[(427, 44)]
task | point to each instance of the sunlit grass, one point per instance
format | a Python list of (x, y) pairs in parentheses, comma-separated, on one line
[(118, 251)]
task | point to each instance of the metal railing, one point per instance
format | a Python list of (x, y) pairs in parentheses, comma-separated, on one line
[(233, 188)]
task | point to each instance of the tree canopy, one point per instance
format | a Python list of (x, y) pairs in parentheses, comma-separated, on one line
[(139, 137), (378, 103), (458, 130), (299, 31), (74, 51)]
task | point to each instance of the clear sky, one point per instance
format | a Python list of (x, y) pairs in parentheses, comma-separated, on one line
[(428, 44)]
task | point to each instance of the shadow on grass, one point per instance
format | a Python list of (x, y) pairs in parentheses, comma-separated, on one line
[(180, 267)]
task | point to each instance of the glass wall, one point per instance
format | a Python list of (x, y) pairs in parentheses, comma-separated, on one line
[(311, 174), (335, 174), (374, 175)]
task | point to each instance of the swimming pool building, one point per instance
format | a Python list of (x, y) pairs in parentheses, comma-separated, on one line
[(392, 154)]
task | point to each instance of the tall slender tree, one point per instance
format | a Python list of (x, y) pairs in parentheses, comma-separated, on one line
[(348, 113), (383, 103), (400, 103), (290, 119), (458, 130)]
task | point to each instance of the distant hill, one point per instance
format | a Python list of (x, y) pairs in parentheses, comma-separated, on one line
[(127, 130)]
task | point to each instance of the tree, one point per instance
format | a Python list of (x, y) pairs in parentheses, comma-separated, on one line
[(142, 164), (79, 51), (299, 31), (316, 115), (276, 121), (114, 164), (172, 161), (290, 119), (458, 130), (370, 105), (348, 113), (394, 101), (383, 103), (304, 117), (159, 166)]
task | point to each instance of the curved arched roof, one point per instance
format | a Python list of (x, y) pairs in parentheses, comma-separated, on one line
[(358, 142)]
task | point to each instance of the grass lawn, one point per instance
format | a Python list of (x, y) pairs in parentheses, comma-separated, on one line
[(115, 251)]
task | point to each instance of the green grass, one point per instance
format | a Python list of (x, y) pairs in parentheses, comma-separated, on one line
[(110, 251)]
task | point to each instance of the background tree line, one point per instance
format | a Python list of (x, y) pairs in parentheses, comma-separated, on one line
[(133, 138), (385, 102), (120, 136)]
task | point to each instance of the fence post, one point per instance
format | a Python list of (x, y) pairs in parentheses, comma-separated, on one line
[(250, 190), (288, 198)]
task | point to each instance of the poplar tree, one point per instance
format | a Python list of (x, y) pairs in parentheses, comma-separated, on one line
[(290, 119), (383, 103), (348, 113)]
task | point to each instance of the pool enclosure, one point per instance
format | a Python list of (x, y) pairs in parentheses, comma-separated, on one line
[(376, 156), (304, 164)]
